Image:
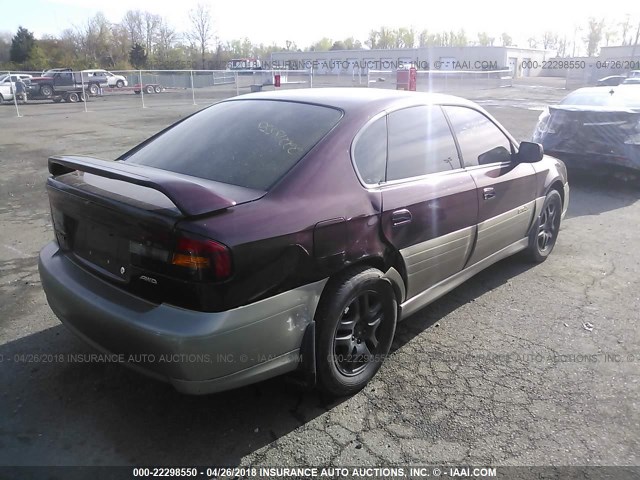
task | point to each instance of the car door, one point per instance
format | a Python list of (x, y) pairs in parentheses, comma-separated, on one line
[(429, 204), (63, 81), (6, 88), (505, 188)]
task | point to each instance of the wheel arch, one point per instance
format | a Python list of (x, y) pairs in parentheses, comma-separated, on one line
[(391, 272), (559, 186)]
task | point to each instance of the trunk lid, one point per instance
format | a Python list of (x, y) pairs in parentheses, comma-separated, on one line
[(599, 130), (121, 222)]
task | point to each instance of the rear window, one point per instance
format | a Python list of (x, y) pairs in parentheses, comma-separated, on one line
[(621, 97), (250, 143)]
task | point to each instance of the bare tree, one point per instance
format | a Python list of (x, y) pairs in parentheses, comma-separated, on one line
[(133, 24), (167, 37), (151, 22), (594, 36), (610, 35), (625, 26), (549, 40), (202, 28)]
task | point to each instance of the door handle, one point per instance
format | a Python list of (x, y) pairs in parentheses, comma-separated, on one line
[(488, 193), (400, 217)]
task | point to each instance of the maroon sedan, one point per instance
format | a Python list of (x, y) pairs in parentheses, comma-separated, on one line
[(290, 231)]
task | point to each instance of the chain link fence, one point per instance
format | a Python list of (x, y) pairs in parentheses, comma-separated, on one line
[(98, 90)]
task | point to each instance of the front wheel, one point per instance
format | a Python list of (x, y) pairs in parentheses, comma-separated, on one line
[(544, 231), (356, 321), (46, 90), (119, 84)]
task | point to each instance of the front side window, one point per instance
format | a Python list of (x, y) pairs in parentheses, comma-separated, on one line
[(249, 143), (370, 152), (481, 141), (420, 143)]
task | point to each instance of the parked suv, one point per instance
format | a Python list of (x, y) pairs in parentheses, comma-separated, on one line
[(291, 230)]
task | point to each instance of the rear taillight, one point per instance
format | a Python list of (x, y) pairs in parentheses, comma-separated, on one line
[(206, 259)]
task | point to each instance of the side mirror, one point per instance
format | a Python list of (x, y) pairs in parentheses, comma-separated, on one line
[(530, 152)]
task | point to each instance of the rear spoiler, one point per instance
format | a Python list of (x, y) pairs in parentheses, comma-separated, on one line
[(193, 196)]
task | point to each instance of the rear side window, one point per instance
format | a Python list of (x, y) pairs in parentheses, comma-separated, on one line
[(481, 141), (420, 142), (250, 143), (370, 152)]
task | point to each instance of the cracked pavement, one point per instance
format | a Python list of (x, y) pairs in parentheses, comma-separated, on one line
[(503, 370)]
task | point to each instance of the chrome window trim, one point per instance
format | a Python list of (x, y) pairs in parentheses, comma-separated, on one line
[(386, 112), (512, 141)]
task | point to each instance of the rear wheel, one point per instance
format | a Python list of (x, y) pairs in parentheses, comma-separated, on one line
[(73, 97), (158, 89), (544, 232), (119, 84), (94, 89), (356, 320), (148, 89)]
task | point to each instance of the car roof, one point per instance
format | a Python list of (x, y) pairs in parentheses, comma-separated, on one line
[(353, 98)]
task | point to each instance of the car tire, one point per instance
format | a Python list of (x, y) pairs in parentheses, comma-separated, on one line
[(94, 89), (158, 89), (119, 84), (351, 345), (46, 90), (545, 229), (73, 97), (1, 99), (148, 89)]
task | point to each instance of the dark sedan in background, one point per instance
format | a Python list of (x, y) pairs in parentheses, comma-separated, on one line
[(595, 129), (290, 231)]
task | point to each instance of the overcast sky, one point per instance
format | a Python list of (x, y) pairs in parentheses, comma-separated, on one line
[(280, 20)]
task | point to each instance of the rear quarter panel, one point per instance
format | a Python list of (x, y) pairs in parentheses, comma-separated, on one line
[(316, 221)]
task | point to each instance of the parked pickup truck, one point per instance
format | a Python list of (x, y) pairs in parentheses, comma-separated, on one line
[(58, 84)]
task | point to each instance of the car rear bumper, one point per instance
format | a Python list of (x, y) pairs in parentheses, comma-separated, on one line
[(197, 352)]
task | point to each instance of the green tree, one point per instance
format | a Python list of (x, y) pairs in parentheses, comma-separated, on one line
[(484, 39), (322, 45), (21, 45), (37, 59), (138, 56), (352, 44)]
